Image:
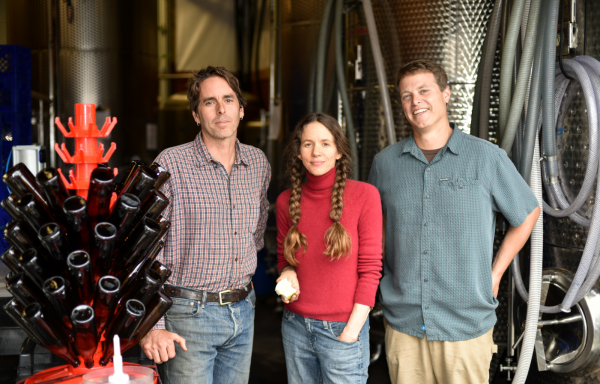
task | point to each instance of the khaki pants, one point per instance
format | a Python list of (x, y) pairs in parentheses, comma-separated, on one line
[(412, 360)]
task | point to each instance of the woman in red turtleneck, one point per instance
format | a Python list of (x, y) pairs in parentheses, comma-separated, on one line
[(329, 233)]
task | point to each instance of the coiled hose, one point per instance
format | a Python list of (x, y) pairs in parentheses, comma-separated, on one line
[(341, 81), (514, 114), (490, 55), (506, 65)]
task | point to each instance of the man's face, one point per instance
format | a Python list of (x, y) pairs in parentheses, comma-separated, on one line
[(423, 103), (219, 111)]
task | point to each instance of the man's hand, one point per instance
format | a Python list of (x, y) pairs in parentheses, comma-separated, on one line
[(288, 272), (159, 345)]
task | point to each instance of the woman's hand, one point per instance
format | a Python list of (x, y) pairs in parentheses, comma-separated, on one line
[(288, 272), (348, 336)]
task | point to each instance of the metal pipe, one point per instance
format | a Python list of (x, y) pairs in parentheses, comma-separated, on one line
[(566, 320), (51, 113), (380, 69)]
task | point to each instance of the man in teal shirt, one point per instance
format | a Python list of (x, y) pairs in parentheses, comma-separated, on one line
[(440, 191)]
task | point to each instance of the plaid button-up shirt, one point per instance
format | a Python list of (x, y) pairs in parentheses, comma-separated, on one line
[(218, 220)]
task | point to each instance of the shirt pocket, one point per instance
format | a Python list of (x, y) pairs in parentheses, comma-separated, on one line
[(461, 197)]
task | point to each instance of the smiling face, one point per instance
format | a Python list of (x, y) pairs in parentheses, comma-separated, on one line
[(219, 111), (423, 102), (317, 149)]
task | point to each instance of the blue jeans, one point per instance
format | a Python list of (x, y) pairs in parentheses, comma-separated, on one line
[(218, 339), (315, 355)]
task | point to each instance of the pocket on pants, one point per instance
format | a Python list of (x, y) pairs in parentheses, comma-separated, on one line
[(182, 309), (336, 328)]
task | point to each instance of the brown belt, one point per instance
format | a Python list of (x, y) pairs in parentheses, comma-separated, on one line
[(223, 297)]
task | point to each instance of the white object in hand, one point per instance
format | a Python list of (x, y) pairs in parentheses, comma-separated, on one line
[(118, 376), (284, 288)]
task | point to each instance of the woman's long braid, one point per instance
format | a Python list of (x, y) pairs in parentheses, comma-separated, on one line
[(294, 240), (337, 239)]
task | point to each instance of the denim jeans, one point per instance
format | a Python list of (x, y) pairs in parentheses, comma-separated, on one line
[(315, 355), (218, 339)]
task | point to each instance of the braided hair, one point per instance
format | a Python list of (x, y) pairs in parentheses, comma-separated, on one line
[(337, 240)]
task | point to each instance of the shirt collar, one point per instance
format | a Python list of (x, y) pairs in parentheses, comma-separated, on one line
[(453, 143), (204, 157)]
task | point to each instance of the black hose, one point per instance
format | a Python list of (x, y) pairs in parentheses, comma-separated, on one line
[(261, 18)]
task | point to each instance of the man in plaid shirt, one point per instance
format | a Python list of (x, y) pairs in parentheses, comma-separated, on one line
[(218, 210)]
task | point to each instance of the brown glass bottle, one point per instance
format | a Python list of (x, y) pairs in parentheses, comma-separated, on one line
[(147, 286), (105, 300), (21, 181), (75, 208), (20, 235), (105, 238), (58, 291), (164, 272), (124, 325), (54, 190), (33, 213), (156, 308), (14, 309), (10, 257), (130, 174), (124, 214), (154, 206), (81, 275), (162, 175), (16, 285), (134, 274), (141, 184), (86, 336), (99, 194), (37, 269), (54, 240), (9, 204), (50, 339), (138, 244)]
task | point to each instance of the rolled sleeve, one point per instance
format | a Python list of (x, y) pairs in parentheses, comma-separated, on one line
[(511, 194)]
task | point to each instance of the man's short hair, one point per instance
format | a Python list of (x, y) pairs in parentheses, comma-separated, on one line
[(420, 66), (205, 73)]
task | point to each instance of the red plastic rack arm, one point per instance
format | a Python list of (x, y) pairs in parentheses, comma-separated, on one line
[(108, 126), (62, 127)]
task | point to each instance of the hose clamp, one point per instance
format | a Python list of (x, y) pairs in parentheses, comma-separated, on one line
[(552, 168)]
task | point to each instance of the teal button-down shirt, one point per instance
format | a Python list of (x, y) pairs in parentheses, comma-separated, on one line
[(440, 232)]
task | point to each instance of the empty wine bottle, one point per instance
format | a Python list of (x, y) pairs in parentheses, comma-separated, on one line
[(138, 244), (54, 190), (11, 258), (162, 175), (77, 222), (124, 214), (141, 184), (36, 268), (15, 285), (147, 286), (130, 173), (156, 308), (124, 325), (105, 237), (131, 277), (50, 338), (99, 194), (105, 300), (81, 276), (165, 225), (154, 206), (20, 235), (9, 204), (54, 240), (164, 272), (33, 213), (59, 292), (21, 181), (86, 337), (14, 309)]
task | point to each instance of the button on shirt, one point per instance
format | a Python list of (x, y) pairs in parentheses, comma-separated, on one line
[(218, 219), (440, 231)]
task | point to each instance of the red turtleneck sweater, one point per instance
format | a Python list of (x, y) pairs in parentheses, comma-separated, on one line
[(329, 289)]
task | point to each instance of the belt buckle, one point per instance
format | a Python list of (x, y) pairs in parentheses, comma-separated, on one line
[(221, 297)]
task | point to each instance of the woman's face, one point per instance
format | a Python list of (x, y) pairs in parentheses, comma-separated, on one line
[(317, 149)]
